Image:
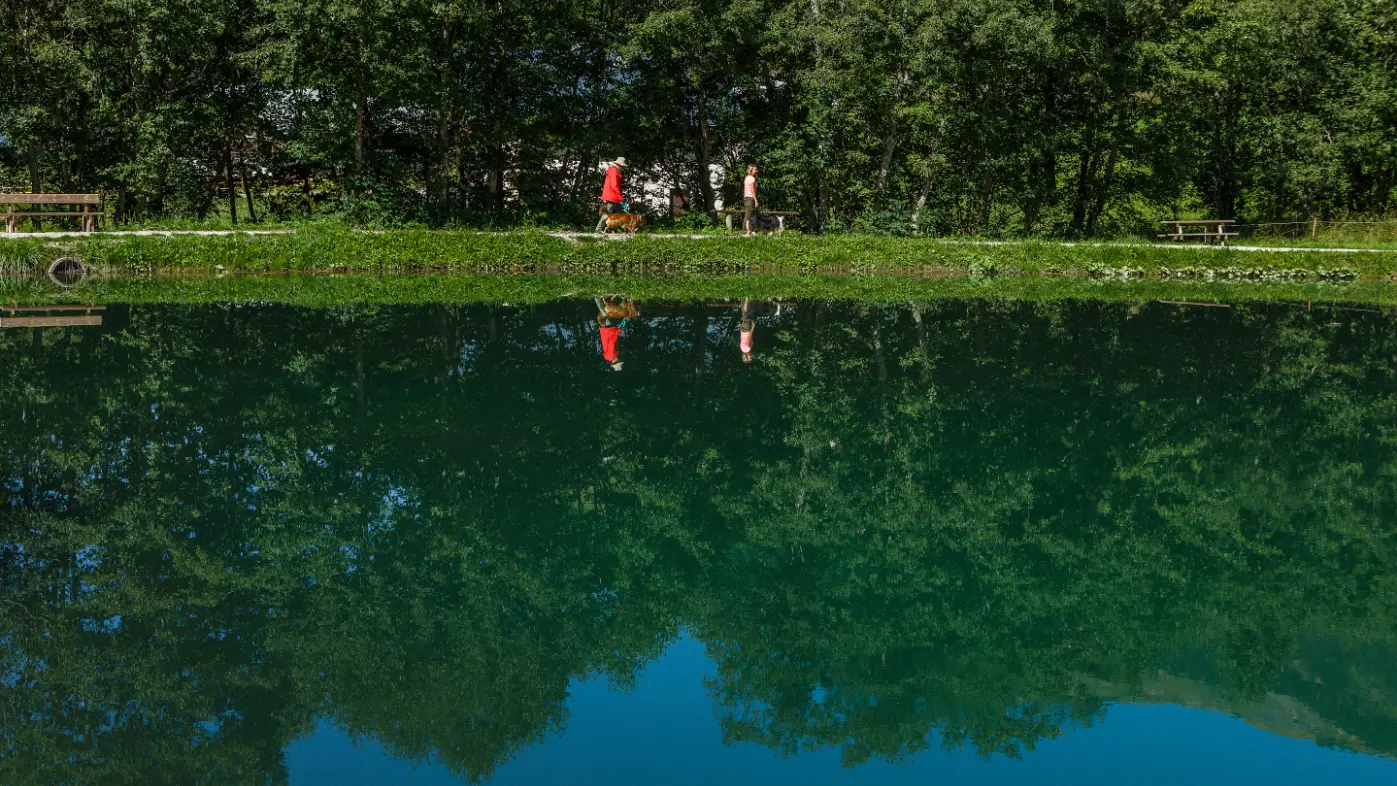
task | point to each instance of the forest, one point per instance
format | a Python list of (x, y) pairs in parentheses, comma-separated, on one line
[(961, 523), (1054, 118)]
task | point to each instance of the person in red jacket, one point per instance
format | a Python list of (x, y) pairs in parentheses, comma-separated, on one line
[(611, 191)]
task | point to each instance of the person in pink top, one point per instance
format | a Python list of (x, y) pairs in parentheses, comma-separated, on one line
[(745, 328), (749, 198)]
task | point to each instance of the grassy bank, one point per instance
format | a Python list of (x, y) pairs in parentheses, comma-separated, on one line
[(330, 250), (343, 290)]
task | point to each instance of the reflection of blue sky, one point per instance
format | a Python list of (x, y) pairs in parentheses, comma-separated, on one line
[(666, 732)]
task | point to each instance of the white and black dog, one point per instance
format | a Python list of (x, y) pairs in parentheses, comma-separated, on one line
[(761, 222)]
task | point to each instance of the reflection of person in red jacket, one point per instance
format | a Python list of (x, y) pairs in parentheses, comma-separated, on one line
[(611, 198), (610, 335), (611, 318)]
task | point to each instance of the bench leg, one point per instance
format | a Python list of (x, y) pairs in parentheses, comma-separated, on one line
[(728, 217), (780, 223)]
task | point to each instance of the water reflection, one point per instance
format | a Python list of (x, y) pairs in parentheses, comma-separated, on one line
[(959, 524)]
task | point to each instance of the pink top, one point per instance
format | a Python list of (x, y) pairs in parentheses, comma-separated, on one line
[(749, 187), (746, 341)]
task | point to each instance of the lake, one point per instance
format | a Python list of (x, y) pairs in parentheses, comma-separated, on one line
[(957, 541)]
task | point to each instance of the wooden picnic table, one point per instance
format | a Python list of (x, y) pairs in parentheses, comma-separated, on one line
[(780, 216), (1212, 229), (87, 217)]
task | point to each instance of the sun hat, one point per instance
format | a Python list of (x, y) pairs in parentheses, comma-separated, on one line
[(621, 162)]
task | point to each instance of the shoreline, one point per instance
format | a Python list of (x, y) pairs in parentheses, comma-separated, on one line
[(577, 235), (342, 288), (317, 251)]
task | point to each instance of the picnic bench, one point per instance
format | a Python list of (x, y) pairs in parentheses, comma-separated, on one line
[(86, 215), (59, 315), (780, 216), (1205, 229)]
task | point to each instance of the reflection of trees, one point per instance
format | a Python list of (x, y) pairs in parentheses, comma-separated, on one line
[(978, 519)]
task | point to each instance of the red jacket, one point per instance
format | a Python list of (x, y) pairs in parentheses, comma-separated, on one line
[(611, 190), (609, 337)]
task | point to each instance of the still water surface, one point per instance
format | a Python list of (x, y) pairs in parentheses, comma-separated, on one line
[(957, 542)]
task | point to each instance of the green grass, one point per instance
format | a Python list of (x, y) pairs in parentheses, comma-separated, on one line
[(324, 249), (343, 290)]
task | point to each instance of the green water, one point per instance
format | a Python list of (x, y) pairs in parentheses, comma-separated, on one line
[(962, 531)]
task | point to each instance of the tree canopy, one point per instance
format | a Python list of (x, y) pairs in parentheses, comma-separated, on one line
[(1063, 118)]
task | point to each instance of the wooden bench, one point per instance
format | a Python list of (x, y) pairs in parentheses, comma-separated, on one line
[(780, 216), (1211, 229), (17, 316), (86, 215)]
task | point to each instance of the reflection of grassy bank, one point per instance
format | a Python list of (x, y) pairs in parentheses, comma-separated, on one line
[(317, 291), (323, 250)]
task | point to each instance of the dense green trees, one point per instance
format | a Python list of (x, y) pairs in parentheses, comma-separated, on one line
[(985, 519), (1073, 117)]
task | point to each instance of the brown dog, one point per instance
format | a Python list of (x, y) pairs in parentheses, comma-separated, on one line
[(613, 307), (627, 221)]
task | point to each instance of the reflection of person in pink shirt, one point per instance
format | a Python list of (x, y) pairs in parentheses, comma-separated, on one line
[(745, 328)]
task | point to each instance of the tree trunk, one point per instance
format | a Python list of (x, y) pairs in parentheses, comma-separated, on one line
[(157, 200), (579, 179), (247, 190), (884, 164), (1043, 170), (983, 205), (494, 182), (1086, 173), (921, 203), (1225, 160), (36, 181), (1103, 192), (228, 181), (820, 217), (890, 141), (824, 209), (359, 125), (703, 152), (444, 123)]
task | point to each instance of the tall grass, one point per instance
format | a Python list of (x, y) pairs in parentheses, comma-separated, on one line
[(325, 249)]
